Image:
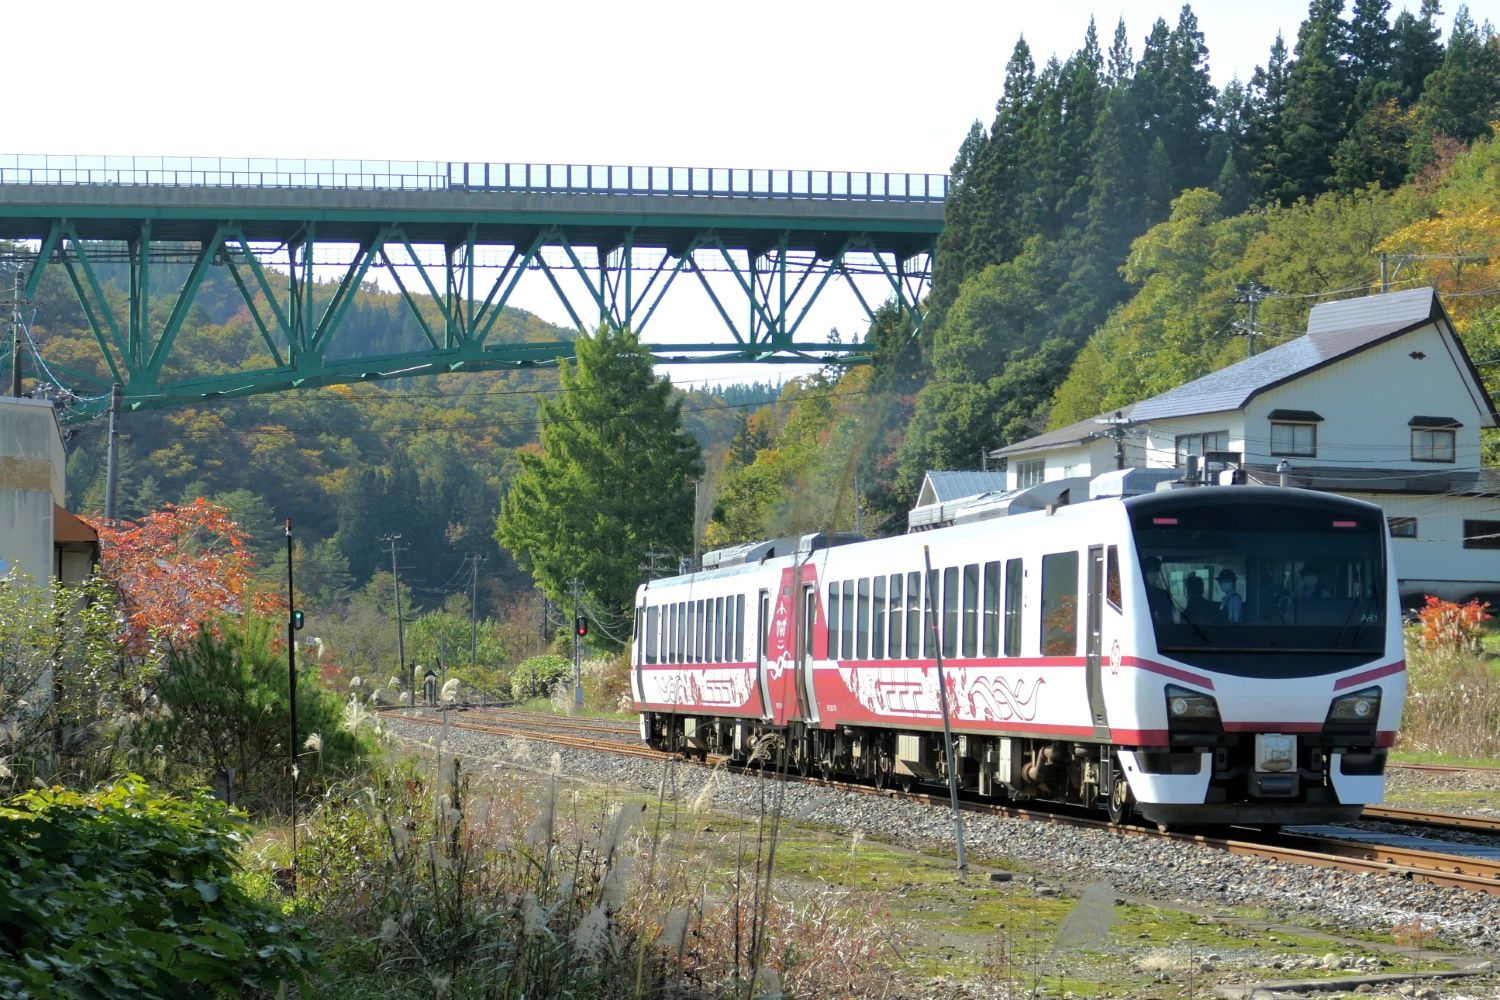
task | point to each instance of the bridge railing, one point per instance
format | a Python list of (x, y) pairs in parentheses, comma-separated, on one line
[(448, 175)]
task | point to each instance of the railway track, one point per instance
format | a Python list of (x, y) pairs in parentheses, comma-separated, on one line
[(1327, 847)]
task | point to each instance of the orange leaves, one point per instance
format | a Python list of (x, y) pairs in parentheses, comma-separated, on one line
[(1453, 628), (178, 567), (1458, 248)]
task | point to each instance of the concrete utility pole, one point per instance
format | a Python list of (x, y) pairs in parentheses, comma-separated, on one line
[(411, 673), (1250, 295), (15, 334), (291, 671), (1117, 425), (473, 610), (112, 468), (577, 651)]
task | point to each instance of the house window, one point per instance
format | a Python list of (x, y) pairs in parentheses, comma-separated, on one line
[(1433, 439), (1200, 444), (1481, 534), (1402, 527), (1294, 439), (1031, 473)]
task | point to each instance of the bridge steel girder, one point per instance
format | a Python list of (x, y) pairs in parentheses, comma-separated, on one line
[(626, 256)]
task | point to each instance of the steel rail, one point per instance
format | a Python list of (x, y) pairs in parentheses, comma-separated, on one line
[(1433, 820)]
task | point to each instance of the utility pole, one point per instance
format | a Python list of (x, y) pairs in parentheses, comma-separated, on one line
[(1250, 295), (292, 616), (1117, 425), (411, 673), (112, 468), (577, 651), (473, 610), (15, 333), (1385, 272)]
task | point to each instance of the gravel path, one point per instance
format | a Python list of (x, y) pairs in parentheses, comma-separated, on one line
[(1164, 871)]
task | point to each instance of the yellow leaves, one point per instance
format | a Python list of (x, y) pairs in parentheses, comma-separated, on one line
[(1457, 252)]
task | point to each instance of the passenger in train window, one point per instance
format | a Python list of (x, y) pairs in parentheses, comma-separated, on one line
[(1158, 597), (1199, 610), (1231, 604)]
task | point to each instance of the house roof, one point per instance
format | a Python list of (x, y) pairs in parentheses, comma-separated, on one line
[(948, 485), (67, 528), (1335, 330), (1084, 430)]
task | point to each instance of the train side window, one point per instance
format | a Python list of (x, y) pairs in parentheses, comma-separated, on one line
[(950, 612), (1013, 581), (898, 618), (719, 630), (846, 626), (677, 633), (682, 632), (699, 634), (971, 610), (1060, 604), (834, 607), (877, 619), (739, 631), (730, 622), (862, 620), (929, 615), (991, 612), (651, 615), (1112, 577), (763, 631), (913, 615)]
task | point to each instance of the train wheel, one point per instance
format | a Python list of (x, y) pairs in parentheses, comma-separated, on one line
[(1121, 802), (881, 775)]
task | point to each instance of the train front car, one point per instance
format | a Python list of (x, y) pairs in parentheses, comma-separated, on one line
[(1271, 670)]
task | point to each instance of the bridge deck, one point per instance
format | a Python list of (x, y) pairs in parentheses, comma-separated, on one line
[(446, 215)]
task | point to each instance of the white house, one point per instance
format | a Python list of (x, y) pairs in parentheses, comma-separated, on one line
[(1379, 401)]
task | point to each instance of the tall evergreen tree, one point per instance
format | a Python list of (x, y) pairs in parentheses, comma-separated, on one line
[(613, 480), (1265, 105), (1416, 50), (1463, 95), (1317, 104)]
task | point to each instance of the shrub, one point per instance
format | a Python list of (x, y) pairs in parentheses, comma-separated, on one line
[(1449, 628), (535, 677), (126, 892), (1452, 705), (227, 719)]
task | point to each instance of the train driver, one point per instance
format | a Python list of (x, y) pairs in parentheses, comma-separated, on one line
[(1232, 604)]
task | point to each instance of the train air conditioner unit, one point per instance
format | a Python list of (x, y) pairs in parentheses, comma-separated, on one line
[(1130, 482), (758, 552)]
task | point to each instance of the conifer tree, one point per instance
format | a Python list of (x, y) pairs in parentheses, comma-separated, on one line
[(613, 480), (1463, 95), (1416, 50)]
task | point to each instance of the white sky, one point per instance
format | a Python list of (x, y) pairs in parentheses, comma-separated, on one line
[(875, 85)]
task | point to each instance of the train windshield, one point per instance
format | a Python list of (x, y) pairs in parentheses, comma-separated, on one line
[(1262, 577)]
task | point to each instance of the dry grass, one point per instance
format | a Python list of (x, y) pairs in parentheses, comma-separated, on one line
[(469, 879), (1452, 704)]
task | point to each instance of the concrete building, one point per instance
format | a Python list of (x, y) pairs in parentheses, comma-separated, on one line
[(38, 536), (1378, 401)]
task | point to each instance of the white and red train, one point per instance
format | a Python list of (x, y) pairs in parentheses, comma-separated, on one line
[(1220, 654)]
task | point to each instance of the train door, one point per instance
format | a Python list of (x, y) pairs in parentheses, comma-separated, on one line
[(1094, 630), (806, 694), (762, 637)]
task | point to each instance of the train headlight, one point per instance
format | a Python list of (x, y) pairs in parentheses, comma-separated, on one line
[(1186, 705), (1361, 706)]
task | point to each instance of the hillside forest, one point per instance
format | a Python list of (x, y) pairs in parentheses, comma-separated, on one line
[(1096, 232)]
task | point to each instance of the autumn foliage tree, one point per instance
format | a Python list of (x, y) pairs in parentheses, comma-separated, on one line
[(176, 568)]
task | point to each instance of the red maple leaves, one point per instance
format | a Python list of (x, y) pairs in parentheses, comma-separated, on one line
[(179, 567)]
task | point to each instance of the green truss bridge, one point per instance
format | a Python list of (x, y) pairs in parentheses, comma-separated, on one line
[(298, 238)]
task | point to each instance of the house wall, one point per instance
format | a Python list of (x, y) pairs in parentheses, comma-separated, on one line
[(1161, 436), (1088, 458), (1436, 562), (32, 469), (1367, 400)]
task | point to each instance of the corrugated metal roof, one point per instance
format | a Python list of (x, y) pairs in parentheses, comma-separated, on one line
[(1084, 430), (954, 484), (1334, 330)]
